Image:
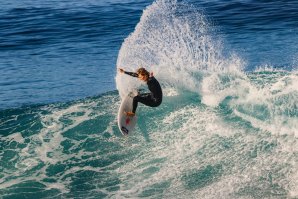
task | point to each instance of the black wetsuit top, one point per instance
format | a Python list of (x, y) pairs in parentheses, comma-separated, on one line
[(152, 99), (154, 87)]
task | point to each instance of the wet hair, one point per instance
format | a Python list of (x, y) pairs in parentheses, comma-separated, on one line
[(143, 71)]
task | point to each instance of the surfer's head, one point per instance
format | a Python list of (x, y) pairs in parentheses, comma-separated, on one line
[(143, 74)]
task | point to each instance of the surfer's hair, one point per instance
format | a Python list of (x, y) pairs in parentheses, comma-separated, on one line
[(143, 72)]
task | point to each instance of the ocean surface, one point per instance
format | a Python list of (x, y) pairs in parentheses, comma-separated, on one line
[(228, 124)]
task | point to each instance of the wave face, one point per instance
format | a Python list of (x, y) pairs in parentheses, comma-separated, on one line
[(219, 133)]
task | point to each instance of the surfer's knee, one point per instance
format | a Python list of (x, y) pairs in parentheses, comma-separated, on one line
[(157, 102)]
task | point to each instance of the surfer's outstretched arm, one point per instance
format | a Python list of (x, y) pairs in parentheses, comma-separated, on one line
[(129, 73)]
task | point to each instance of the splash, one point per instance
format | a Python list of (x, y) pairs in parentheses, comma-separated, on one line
[(176, 42)]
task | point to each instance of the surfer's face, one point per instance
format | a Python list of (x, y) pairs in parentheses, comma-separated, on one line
[(143, 77)]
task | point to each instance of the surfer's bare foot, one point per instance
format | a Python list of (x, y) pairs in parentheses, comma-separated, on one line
[(131, 114)]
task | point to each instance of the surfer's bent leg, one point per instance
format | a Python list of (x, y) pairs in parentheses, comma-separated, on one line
[(144, 99)]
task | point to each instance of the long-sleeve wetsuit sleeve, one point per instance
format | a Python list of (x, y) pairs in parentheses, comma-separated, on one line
[(131, 74)]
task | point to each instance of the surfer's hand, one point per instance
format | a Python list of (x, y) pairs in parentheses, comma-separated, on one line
[(121, 70)]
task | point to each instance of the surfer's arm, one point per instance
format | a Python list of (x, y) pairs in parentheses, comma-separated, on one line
[(128, 73), (131, 74)]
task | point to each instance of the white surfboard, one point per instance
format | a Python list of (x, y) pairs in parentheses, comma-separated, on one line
[(126, 123)]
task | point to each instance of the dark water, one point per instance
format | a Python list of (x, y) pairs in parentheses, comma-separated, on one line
[(264, 32), (58, 51), (227, 127)]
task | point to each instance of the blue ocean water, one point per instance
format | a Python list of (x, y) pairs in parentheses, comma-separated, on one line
[(228, 124)]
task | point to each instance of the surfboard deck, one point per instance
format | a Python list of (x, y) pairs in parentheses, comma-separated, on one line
[(126, 123)]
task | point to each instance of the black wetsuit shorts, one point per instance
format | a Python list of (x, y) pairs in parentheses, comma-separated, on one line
[(146, 99)]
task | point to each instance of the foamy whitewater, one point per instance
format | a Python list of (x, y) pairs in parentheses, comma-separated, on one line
[(221, 131)]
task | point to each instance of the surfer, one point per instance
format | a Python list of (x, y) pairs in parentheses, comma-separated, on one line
[(152, 99)]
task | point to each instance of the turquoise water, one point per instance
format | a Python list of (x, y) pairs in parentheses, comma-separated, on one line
[(245, 147), (227, 127)]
